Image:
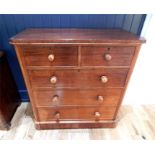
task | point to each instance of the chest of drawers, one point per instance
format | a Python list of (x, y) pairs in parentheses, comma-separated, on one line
[(76, 78)]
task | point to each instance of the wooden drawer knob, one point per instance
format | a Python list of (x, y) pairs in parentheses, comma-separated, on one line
[(53, 79), (100, 98), (104, 79), (57, 116), (97, 115), (55, 98), (107, 57), (51, 57)]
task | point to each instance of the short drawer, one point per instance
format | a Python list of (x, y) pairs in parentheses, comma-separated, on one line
[(78, 78), (106, 56), (50, 56), (78, 97), (58, 114)]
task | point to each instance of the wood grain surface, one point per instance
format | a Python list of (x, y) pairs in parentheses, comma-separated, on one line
[(38, 56), (75, 36), (96, 55), (77, 97), (78, 78)]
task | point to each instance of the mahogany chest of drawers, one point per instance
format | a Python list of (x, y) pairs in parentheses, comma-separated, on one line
[(76, 78)]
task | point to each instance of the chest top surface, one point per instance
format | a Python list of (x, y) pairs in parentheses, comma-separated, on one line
[(75, 36)]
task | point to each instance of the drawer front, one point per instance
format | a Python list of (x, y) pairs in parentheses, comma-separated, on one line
[(50, 56), (82, 78), (66, 97), (106, 56), (56, 114)]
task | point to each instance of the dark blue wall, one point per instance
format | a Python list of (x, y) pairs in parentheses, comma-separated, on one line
[(12, 24)]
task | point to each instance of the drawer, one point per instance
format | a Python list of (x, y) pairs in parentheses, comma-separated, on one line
[(77, 97), (50, 56), (56, 114), (106, 56), (112, 77)]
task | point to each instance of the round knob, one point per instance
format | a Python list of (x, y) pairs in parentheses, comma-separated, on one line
[(107, 57), (100, 98), (97, 115), (51, 57), (55, 98), (57, 115), (53, 79), (104, 79)]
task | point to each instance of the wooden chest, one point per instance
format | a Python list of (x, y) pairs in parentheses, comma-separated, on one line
[(76, 78)]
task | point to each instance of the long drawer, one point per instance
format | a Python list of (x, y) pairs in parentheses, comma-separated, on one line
[(77, 97), (50, 56), (106, 56), (114, 77), (58, 114)]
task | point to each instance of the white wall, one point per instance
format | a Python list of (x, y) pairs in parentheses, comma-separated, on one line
[(141, 88)]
